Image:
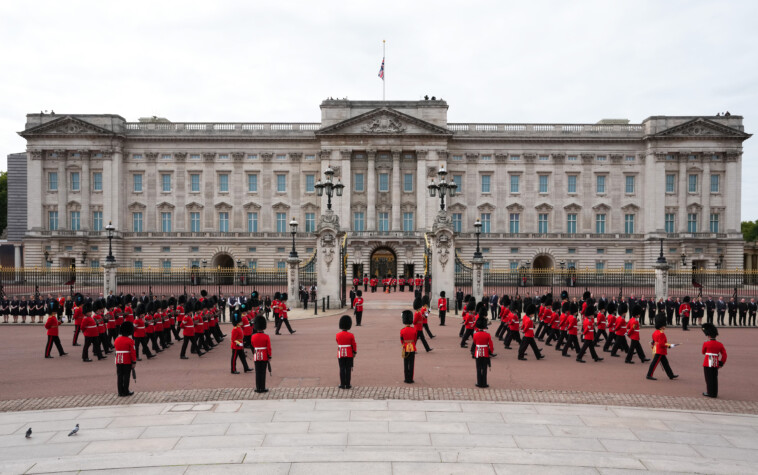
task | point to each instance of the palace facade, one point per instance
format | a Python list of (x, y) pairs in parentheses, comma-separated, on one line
[(180, 194)]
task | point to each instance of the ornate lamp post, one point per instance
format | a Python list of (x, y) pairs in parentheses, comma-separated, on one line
[(110, 229), (683, 256), (720, 261), (293, 231), (661, 258), (329, 187), (443, 187), (478, 231)]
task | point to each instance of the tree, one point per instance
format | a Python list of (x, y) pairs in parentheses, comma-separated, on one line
[(750, 230), (3, 200)]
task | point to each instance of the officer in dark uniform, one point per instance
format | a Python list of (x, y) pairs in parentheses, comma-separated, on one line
[(670, 308), (710, 306), (459, 299), (720, 310), (732, 309), (752, 307)]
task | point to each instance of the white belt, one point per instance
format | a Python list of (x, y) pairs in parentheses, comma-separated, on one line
[(713, 360), (117, 352), (262, 348), (344, 346)]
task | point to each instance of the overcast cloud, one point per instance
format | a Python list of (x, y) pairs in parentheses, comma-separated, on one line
[(525, 61)]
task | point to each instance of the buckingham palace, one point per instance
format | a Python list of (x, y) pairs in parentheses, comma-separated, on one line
[(181, 194)]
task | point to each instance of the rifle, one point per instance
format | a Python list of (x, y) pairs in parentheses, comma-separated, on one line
[(269, 367), (134, 374)]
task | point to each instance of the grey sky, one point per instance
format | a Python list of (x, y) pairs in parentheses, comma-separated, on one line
[(525, 61)]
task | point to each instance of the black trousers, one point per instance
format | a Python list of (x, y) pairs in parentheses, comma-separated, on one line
[(609, 342), (175, 331), (711, 381), (112, 335), (619, 343), (462, 331), (481, 371), (346, 368), (510, 336), (358, 317), (500, 330), (720, 318), (553, 334), (104, 343), (528, 341), (685, 323), (751, 318), (540, 332), (284, 321), (466, 334), (442, 317), (709, 317), (600, 333), (732, 319), (247, 341), (154, 340), (572, 342), (53, 339), (189, 340), (588, 344), (142, 341), (239, 354), (420, 336), (428, 330), (409, 363), (664, 362), (123, 371), (77, 329), (260, 374), (635, 347), (743, 318), (561, 339), (94, 341)]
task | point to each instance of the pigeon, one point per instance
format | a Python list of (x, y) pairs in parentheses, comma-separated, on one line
[(29, 433), (74, 431)]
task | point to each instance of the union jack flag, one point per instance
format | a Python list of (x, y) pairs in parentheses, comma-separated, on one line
[(381, 70)]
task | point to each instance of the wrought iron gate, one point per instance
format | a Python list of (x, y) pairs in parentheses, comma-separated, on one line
[(343, 271)]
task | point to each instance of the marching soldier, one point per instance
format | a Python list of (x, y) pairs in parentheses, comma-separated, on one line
[(481, 350), (408, 342), (283, 316), (374, 283), (91, 335), (619, 330), (401, 283), (358, 308), (588, 334), (52, 336), (528, 328), (469, 321), (441, 307), (188, 331), (513, 327), (425, 312), (715, 358), (365, 282), (238, 347), (346, 351), (684, 311), (573, 332), (633, 330), (78, 316), (126, 358), (660, 346), (418, 323), (140, 332), (261, 354)]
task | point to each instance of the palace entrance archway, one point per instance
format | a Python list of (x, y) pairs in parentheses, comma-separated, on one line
[(226, 263), (542, 266), (383, 262)]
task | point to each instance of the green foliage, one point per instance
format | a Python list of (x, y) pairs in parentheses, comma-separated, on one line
[(750, 230), (3, 201)]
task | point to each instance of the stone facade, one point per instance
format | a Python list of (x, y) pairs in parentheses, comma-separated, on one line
[(587, 195)]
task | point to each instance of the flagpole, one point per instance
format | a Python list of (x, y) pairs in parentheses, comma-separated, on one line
[(384, 81)]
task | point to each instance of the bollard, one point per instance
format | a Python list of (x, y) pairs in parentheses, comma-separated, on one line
[(447, 300), (323, 304), (327, 302), (315, 307)]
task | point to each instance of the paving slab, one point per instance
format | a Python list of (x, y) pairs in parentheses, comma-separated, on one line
[(415, 468), (257, 469), (346, 468), (390, 415)]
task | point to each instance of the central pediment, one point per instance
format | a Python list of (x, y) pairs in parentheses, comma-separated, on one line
[(383, 121), (701, 127), (67, 126)]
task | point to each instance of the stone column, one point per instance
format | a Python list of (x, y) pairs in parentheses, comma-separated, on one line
[(293, 279), (85, 190), (109, 278), (63, 184), (328, 239), (421, 191), (443, 257), (661, 280), (477, 274), (371, 191), (397, 193)]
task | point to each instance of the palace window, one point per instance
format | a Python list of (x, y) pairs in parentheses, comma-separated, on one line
[(137, 222), (628, 224), (691, 222), (223, 183), (75, 185), (166, 222), (52, 220), (384, 182), (715, 183), (223, 222), (571, 223), (97, 220), (514, 220), (76, 224), (458, 180), (408, 182), (359, 182), (515, 179), (310, 183), (281, 183), (408, 221), (195, 183), (543, 183), (486, 183), (629, 184), (281, 222), (358, 221), (486, 220), (252, 182), (542, 227), (223, 156), (628, 265), (165, 182), (457, 222), (670, 183), (600, 223), (384, 222), (195, 222), (692, 184), (310, 222), (97, 181), (572, 183), (166, 156), (600, 180), (715, 222), (669, 227), (52, 181), (137, 182), (252, 222)]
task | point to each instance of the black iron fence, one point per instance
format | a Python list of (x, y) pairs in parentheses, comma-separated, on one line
[(29, 282)]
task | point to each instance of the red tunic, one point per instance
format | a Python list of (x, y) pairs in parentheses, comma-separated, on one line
[(714, 353), (126, 353), (247, 329), (601, 321), (78, 315), (346, 346), (408, 337), (588, 329), (261, 347), (139, 327), (52, 325), (611, 322), (513, 323), (100, 324), (659, 342), (418, 321), (633, 329), (188, 326), (149, 324), (572, 330), (442, 303), (237, 336), (358, 304), (527, 327), (89, 326), (684, 310), (482, 344), (620, 327)]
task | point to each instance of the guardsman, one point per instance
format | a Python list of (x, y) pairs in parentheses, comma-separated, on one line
[(633, 330), (346, 351), (464, 312), (601, 321), (612, 310), (188, 331), (572, 340), (418, 323), (261, 354), (555, 321), (247, 330), (563, 325), (588, 335), (425, 312), (394, 283), (401, 283), (89, 328), (408, 342), (660, 350), (356, 282), (374, 282), (504, 317), (685, 310), (469, 321), (513, 327), (197, 322), (358, 307), (365, 282), (283, 315), (275, 307), (51, 324), (619, 330), (126, 358), (481, 350), (715, 358), (78, 316), (441, 307), (527, 326), (140, 332), (238, 347)]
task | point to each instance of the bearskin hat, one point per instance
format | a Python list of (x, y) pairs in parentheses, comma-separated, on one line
[(471, 305), (97, 305), (549, 299), (425, 301), (407, 317), (589, 311), (636, 310), (482, 309), (623, 308), (505, 300), (277, 296), (565, 307), (564, 295), (586, 295), (172, 301), (601, 305), (283, 297), (359, 293), (442, 294), (481, 323), (259, 323), (686, 298), (530, 310), (127, 328), (346, 322), (182, 299), (204, 293), (660, 322), (417, 304), (556, 305), (612, 307), (710, 330), (573, 308)]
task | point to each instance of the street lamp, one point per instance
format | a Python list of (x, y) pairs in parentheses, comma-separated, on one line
[(443, 187), (562, 264), (683, 256), (205, 263), (478, 231), (329, 186), (293, 231), (661, 258), (720, 261), (239, 263), (110, 228)]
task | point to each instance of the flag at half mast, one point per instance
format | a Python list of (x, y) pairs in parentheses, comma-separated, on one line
[(381, 70)]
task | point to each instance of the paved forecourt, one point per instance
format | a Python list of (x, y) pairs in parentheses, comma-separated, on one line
[(376, 436)]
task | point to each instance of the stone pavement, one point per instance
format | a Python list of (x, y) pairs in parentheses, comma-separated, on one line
[(377, 436)]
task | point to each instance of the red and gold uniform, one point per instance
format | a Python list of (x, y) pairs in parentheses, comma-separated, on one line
[(78, 316), (481, 350), (660, 352), (238, 349), (126, 357), (261, 356), (408, 337), (51, 324), (346, 349), (715, 358)]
